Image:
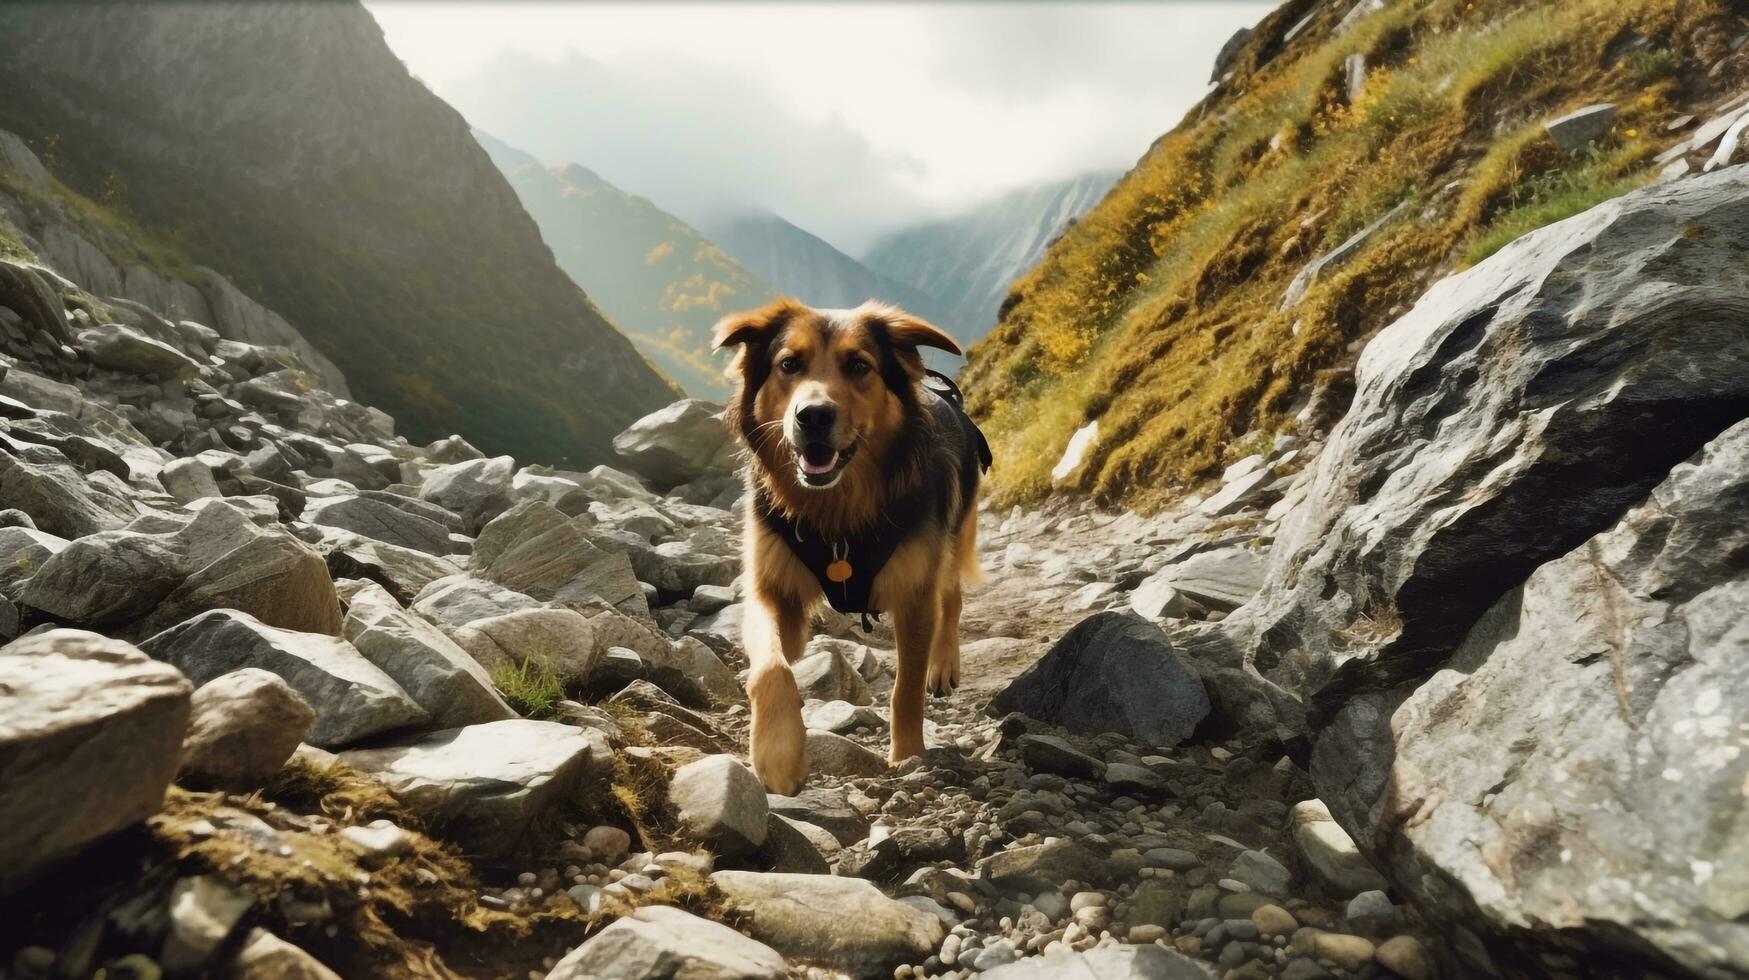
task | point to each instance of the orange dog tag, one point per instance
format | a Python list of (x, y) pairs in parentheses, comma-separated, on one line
[(838, 571)]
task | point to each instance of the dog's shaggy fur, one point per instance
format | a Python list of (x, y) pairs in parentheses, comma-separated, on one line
[(892, 448)]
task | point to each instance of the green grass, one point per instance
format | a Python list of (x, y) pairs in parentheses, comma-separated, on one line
[(1549, 199), (1158, 312), (532, 687)]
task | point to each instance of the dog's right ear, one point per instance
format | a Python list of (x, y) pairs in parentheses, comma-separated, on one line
[(753, 326)]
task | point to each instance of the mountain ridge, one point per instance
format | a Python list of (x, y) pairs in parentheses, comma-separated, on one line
[(418, 273), (662, 282), (969, 260)]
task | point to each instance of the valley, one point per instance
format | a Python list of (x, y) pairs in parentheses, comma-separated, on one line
[(1363, 563)]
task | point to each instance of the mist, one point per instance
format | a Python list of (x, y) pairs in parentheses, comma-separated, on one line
[(862, 120)]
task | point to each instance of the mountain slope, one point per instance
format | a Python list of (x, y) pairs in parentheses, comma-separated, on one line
[(663, 283), (286, 146), (968, 261), (1351, 155), (801, 264)]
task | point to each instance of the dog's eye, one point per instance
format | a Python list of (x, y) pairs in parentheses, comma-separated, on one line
[(790, 364), (859, 367)]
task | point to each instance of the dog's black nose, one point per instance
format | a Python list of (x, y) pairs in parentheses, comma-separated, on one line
[(817, 417)]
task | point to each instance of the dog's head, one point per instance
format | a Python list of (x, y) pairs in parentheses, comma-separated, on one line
[(823, 391)]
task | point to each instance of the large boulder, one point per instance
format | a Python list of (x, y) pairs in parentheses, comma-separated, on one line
[(1508, 421), (89, 739), (1113, 672), (538, 551), (61, 501), (841, 923), (352, 697), (482, 786), (677, 444), (124, 349), (243, 727), (273, 577), (1599, 711), (661, 943), (452, 687)]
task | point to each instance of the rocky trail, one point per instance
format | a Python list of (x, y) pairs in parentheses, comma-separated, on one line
[(286, 695)]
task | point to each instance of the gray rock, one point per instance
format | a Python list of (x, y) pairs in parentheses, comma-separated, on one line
[(1112, 672), (1336, 257), (23, 552), (1223, 579), (352, 697), (455, 601), (107, 578), (1577, 130), (188, 480), (243, 727), (1156, 599), (483, 786), (271, 576), (1229, 51), (1501, 428), (661, 943), (1039, 866), (796, 847), (1048, 753), (402, 571), (677, 444), (476, 489), (90, 739), (718, 800), (842, 923), (540, 552), (828, 676), (1329, 853), (701, 665), (380, 521), (840, 717), (1371, 912), (835, 755), (558, 638), (1106, 963), (451, 686), (1263, 873), (61, 501), (827, 809), (203, 912), (124, 349)]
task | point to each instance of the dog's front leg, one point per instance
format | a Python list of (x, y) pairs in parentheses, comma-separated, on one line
[(775, 632), (914, 627)]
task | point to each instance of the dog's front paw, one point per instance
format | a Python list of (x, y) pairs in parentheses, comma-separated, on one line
[(778, 740), (781, 760), (943, 677)]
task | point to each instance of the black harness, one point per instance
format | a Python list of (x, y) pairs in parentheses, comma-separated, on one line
[(846, 566)]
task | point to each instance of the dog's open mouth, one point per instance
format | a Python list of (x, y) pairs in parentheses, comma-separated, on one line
[(820, 464)]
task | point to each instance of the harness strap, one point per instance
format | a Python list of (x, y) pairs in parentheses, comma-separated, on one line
[(846, 567)]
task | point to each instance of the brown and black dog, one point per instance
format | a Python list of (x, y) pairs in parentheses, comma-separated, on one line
[(862, 486)]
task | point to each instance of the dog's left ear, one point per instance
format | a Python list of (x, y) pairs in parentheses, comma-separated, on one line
[(907, 331)]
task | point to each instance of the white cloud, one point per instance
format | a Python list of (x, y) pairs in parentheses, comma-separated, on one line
[(847, 118)]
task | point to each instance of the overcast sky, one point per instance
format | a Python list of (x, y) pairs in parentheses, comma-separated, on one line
[(848, 119)]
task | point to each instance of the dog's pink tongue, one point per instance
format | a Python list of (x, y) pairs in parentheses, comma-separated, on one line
[(815, 463)]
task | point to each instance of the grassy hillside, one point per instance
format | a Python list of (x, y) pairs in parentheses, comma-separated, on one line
[(663, 283), (1159, 313), (287, 147)]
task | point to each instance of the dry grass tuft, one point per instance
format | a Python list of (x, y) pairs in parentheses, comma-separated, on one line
[(1158, 313)]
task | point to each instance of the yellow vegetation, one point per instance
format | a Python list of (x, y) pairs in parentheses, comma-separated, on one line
[(1158, 313)]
